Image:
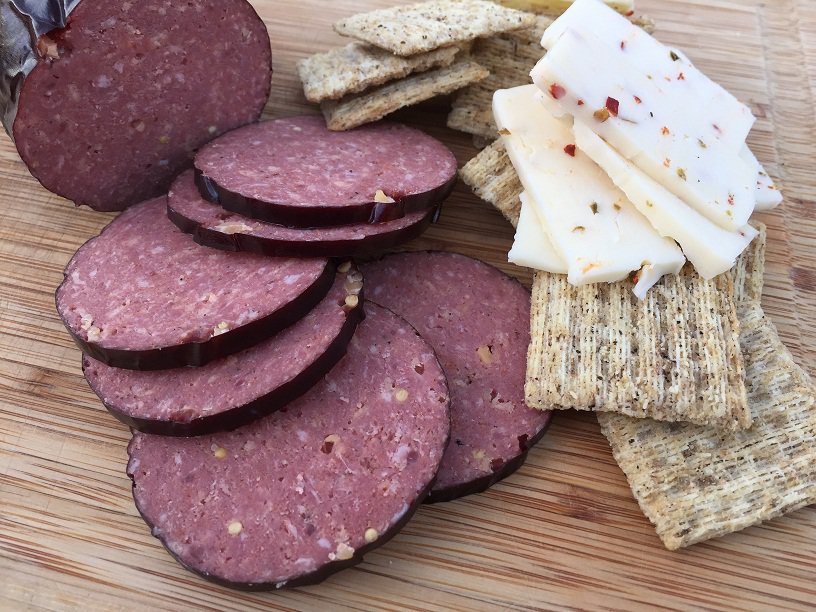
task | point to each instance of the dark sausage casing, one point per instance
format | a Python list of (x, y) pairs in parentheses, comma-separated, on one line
[(107, 102)]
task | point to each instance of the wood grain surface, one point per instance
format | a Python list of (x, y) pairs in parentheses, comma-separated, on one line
[(564, 532)]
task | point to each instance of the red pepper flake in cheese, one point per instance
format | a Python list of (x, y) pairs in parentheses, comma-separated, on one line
[(623, 45), (637, 100), (580, 102), (557, 92), (665, 131), (731, 199), (570, 150), (717, 128), (667, 162), (681, 77), (612, 106)]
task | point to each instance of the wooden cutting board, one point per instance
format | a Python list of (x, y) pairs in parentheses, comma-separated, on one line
[(564, 532)]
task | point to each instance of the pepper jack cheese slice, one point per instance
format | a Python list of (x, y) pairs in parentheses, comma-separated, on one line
[(725, 117), (580, 77), (598, 232), (768, 196), (533, 247), (711, 249)]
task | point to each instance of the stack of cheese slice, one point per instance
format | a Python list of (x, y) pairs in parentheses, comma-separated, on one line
[(625, 151)]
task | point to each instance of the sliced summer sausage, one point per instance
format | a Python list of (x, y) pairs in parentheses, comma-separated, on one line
[(211, 225), (477, 319), (295, 172), (308, 490), (108, 103), (235, 390), (143, 295)]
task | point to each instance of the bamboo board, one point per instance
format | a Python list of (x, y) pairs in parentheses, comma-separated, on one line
[(564, 532)]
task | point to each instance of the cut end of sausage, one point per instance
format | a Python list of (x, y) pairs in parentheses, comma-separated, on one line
[(116, 301), (295, 172), (123, 97), (308, 490), (477, 320)]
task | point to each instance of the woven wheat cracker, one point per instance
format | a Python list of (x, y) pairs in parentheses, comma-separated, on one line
[(673, 356), (509, 58), (374, 104), (492, 177), (358, 66), (417, 28), (694, 483)]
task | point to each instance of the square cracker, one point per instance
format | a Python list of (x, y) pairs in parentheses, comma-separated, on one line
[(358, 66), (417, 28), (694, 483), (509, 58), (372, 105), (673, 356), (492, 177)]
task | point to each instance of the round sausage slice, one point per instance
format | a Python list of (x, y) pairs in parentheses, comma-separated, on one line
[(235, 390), (142, 295), (477, 319), (108, 103), (308, 490), (295, 172), (211, 225)]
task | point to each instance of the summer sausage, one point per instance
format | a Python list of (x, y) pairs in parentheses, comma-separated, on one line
[(143, 295), (295, 172), (477, 320), (107, 102), (211, 225), (308, 490), (241, 388)]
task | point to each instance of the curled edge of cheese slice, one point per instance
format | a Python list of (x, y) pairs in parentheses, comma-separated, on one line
[(532, 246), (768, 195)]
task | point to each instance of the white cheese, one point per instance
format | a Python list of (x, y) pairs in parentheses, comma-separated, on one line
[(711, 249), (725, 117), (598, 232), (580, 77), (768, 196), (532, 246)]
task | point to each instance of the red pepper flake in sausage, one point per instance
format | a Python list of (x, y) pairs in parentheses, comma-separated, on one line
[(570, 150), (557, 92)]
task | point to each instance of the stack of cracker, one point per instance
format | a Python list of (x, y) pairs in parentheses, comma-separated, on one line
[(402, 56), (707, 414)]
